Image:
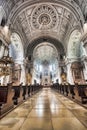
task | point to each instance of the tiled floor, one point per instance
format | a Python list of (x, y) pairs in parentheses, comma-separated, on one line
[(47, 110)]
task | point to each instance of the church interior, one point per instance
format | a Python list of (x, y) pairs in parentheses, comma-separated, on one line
[(43, 64)]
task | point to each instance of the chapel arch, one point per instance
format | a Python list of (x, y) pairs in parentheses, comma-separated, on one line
[(17, 53)]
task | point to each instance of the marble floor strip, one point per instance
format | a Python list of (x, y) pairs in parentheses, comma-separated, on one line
[(46, 110)]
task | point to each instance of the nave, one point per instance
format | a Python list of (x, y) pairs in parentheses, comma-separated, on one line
[(46, 110)]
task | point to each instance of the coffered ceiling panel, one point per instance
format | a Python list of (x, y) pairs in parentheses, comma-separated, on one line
[(44, 18), (54, 18)]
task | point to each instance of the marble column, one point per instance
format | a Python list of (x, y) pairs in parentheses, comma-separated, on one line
[(69, 74), (23, 75), (59, 75), (85, 70), (84, 43), (2, 49)]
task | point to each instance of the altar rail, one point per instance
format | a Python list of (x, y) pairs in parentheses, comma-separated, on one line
[(78, 92), (11, 96)]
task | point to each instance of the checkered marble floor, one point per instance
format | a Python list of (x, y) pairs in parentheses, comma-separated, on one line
[(46, 110)]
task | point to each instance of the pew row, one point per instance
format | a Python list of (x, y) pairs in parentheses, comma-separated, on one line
[(77, 92), (11, 96)]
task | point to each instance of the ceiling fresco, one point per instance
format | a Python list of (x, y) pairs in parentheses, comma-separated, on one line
[(44, 18)]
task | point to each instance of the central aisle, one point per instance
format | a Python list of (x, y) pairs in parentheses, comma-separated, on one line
[(47, 110)]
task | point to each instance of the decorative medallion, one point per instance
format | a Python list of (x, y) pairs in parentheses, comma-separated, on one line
[(44, 17)]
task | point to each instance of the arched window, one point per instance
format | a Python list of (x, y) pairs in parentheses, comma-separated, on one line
[(73, 50), (16, 48), (2, 16)]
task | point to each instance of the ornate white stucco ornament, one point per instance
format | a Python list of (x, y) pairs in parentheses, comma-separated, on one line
[(5, 34), (44, 17)]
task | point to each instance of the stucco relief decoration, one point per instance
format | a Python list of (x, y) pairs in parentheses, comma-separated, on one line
[(44, 17), (74, 44)]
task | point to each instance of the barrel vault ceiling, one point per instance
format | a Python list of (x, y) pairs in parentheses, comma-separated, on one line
[(54, 18)]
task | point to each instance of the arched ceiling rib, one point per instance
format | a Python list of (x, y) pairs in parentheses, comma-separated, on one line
[(60, 48), (37, 20), (45, 52), (9, 5), (23, 4), (64, 16)]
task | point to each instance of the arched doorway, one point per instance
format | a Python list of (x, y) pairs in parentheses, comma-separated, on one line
[(74, 56), (45, 63), (45, 55)]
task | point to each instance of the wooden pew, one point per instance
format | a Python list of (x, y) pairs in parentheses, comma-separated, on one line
[(72, 91), (25, 92), (82, 92), (6, 102)]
